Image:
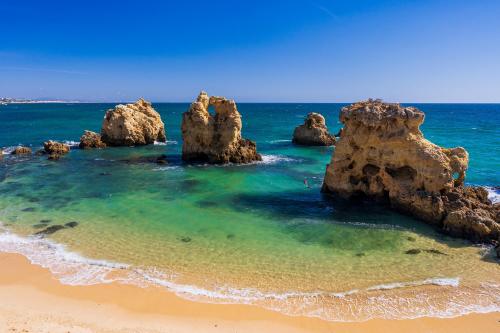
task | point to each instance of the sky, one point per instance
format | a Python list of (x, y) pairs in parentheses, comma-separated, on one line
[(252, 51)]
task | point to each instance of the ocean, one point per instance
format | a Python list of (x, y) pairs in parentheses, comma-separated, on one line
[(251, 234)]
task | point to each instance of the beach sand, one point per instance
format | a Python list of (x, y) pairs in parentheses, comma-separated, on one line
[(32, 300)]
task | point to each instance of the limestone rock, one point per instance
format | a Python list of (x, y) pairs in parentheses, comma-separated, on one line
[(215, 138), (313, 132), (91, 140), (55, 149), (132, 125), (382, 154), (21, 151)]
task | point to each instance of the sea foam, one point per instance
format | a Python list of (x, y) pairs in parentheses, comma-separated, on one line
[(493, 194)]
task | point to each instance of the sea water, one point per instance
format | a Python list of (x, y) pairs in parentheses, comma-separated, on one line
[(242, 233)]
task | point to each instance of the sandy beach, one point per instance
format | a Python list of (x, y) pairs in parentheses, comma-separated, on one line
[(34, 301)]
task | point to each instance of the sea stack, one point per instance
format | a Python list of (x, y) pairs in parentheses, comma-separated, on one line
[(382, 154), (132, 125), (313, 132), (91, 139), (215, 139)]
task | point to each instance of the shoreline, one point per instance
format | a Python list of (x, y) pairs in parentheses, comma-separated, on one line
[(34, 301)]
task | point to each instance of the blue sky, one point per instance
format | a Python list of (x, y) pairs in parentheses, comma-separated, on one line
[(253, 51)]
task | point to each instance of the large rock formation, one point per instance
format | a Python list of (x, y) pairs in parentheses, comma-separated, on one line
[(313, 132), (91, 140), (382, 154), (55, 149), (132, 125), (217, 138)]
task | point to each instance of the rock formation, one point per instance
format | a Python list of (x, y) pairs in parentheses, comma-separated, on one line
[(132, 125), (382, 154), (91, 140), (313, 132), (55, 149), (21, 151), (215, 139)]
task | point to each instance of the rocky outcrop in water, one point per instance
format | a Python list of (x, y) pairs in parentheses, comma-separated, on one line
[(215, 138), (91, 140), (132, 125), (21, 151), (382, 154), (313, 132), (55, 149)]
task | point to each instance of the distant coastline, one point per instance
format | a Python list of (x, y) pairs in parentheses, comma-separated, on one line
[(6, 100)]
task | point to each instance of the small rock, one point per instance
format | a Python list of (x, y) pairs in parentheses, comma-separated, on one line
[(45, 221), (71, 224), (434, 251), (413, 251), (91, 139), (186, 239), (55, 149), (162, 159), (411, 239), (21, 151), (50, 230)]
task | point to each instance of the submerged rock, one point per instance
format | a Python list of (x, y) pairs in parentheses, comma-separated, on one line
[(132, 125), (413, 251), (55, 149), (50, 230), (215, 139), (21, 151), (382, 154), (71, 224), (313, 132), (91, 139)]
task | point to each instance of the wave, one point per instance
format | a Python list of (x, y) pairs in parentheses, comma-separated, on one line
[(274, 159), (8, 150), (71, 143), (168, 142), (279, 141), (493, 193), (165, 168)]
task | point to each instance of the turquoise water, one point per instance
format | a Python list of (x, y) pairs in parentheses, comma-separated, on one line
[(248, 233)]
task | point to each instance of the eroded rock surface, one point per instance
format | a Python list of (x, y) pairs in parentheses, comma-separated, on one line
[(55, 149), (132, 125), (313, 132), (215, 138), (91, 139), (382, 154)]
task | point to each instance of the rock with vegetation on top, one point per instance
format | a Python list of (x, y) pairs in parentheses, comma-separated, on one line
[(382, 154), (21, 151), (215, 138), (132, 125), (91, 139), (313, 132), (55, 149)]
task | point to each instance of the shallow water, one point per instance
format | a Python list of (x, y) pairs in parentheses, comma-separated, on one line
[(248, 233)]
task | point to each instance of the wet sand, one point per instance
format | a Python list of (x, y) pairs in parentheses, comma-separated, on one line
[(32, 300)]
